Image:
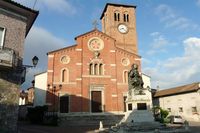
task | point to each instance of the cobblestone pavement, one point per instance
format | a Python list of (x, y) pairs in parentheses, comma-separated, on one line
[(28, 128)]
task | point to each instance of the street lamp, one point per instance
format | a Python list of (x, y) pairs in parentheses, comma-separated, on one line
[(23, 68), (33, 83), (35, 60), (53, 90)]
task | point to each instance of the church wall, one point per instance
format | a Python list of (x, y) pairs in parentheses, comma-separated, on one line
[(122, 86), (105, 80), (80, 81)]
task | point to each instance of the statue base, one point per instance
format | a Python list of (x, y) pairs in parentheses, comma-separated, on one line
[(139, 107)]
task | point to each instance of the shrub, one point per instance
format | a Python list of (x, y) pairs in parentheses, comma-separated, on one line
[(51, 120), (36, 114), (162, 113)]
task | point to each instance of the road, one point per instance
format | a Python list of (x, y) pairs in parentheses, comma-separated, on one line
[(194, 127), (25, 127)]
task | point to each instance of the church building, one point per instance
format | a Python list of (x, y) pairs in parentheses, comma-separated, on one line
[(92, 75)]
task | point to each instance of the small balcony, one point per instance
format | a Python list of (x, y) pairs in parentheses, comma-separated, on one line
[(9, 58)]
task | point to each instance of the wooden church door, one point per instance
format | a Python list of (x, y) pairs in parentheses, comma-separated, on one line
[(96, 101)]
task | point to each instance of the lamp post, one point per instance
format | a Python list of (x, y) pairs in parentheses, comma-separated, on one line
[(35, 60), (54, 98), (23, 68), (54, 90)]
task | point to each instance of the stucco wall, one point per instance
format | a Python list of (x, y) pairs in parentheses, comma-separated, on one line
[(186, 101), (40, 89)]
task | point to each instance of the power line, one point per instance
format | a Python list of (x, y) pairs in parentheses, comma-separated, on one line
[(34, 4)]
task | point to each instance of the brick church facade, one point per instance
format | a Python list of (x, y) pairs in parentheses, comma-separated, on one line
[(92, 76)]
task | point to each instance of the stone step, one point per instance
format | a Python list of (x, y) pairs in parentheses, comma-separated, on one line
[(90, 120), (139, 116)]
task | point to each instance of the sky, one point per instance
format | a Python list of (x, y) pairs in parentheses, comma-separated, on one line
[(167, 30)]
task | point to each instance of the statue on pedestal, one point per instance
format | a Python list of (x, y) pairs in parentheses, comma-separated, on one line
[(135, 81)]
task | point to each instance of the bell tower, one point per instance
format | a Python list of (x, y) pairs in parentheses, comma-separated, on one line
[(119, 22)]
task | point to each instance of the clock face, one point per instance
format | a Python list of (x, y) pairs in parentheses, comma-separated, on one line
[(95, 44), (123, 28)]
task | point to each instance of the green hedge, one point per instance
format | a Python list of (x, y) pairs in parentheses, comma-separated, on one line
[(36, 114)]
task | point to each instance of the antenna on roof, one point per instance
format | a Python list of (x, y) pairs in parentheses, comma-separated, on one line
[(158, 87), (34, 4)]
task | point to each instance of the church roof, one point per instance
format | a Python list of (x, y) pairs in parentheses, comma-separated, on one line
[(128, 52), (178, 90), (80, 36), (114, 4), (62, 49), (94, 31), (29, 13)]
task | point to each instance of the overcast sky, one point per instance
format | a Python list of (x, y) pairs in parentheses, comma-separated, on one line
[(168, 35)]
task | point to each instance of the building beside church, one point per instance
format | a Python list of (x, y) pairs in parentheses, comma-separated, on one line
[(40, 89), (92, 75), (182, 100), (15, 23)]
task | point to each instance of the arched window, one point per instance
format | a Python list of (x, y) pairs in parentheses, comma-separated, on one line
[(100, 69), (125, 76), (64, 75), (115, 16), (127, 18), (91, 68), (124, 17), (118, 17), (95, 69)]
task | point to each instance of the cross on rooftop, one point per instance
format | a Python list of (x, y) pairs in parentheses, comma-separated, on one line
[(95, 23)]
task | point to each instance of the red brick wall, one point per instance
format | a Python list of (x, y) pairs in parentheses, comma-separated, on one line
[(79, 79)]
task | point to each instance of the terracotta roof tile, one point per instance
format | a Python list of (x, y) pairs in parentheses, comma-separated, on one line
[(29, 13), (21, 6), (178, 90), (94, 30), (71, 46)]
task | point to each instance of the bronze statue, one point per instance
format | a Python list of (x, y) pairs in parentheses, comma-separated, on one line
[(135, 81)]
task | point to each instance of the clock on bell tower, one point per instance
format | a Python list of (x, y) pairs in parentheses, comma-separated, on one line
[(119, 22)]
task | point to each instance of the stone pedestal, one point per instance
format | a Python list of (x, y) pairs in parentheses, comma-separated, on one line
[(139, 107)]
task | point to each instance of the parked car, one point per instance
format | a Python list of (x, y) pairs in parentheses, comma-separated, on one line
[(176, 119)]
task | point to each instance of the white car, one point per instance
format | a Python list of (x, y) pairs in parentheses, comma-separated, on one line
[(176, 119)]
